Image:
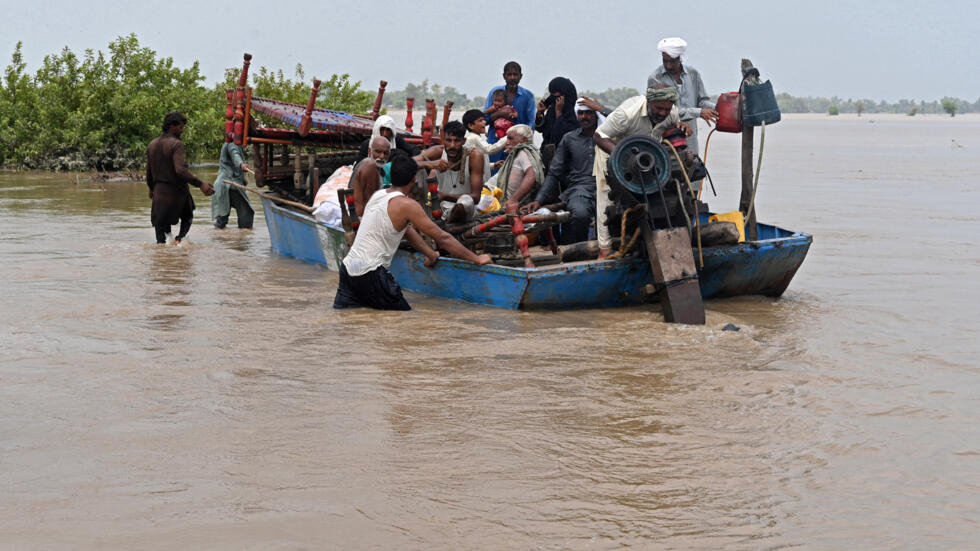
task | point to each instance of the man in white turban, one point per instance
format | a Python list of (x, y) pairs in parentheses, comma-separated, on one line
[(693, 102)]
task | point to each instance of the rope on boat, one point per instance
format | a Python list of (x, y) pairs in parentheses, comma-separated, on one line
[(758, 167), (697, 217), (624, 247)]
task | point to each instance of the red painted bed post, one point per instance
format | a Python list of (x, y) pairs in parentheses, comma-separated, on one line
[(229, 114), (307, 120), (409, 105), (445, 120), (428, 122), (377, 101), (240, 100)]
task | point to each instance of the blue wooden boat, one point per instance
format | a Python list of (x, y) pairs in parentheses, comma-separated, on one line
[(762, 267)]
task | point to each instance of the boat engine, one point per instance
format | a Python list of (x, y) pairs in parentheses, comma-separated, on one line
[(640, 170)]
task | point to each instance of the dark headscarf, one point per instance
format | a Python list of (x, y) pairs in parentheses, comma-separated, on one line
[(553, 128)]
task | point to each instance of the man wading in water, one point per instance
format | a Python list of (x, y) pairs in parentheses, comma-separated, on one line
[(389, 215), (167, 177)]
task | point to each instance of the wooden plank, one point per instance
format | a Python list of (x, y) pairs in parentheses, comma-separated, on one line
[(671, 259)]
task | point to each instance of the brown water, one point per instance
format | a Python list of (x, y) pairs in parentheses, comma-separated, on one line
[(207, 396)]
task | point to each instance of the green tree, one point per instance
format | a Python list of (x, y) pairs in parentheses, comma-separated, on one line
[(18, 116), (949, 106), (859, 107), (833, 110)]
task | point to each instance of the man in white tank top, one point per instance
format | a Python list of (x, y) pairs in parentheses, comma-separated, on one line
[(389, 215)]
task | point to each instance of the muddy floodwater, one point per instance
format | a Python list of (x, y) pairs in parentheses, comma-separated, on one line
[(208, 397)]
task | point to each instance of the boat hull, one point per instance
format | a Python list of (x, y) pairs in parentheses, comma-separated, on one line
[(762, 267)]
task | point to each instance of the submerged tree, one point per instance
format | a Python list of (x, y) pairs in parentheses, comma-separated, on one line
[(949, 106)]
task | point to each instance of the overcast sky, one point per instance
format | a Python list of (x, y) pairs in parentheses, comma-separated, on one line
[(865, 49)]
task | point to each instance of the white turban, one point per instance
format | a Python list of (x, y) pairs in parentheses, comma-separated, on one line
[(580, 106), (384, 121), (674, 47)]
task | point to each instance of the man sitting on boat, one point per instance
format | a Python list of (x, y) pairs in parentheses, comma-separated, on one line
[(571, 169), (650, 115), (461, 181), (389, 215), (522, 172), (369, 173)]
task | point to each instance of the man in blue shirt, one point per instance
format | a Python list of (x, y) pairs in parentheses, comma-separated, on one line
[(520, 98)]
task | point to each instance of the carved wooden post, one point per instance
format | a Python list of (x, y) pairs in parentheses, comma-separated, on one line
[(299, 182), (307, 120), (377, 101), (248, 115), (428, 122), (259, 163), (229, 114), (433, 206), (409, 104), (445, 120), (240, 100)]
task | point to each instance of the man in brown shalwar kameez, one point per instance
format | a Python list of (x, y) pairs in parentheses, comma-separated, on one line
[(167, 177)]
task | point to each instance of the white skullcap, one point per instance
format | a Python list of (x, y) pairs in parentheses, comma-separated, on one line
[(674, 47)]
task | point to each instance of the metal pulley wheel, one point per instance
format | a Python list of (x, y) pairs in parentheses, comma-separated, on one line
[(639, 165)]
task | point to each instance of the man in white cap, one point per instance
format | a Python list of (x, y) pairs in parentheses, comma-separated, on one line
[(694, 100)]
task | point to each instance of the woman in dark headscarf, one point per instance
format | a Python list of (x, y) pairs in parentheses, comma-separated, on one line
[(556, 114)]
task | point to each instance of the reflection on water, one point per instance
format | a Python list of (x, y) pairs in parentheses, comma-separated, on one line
[(170, 275), (208, 395)]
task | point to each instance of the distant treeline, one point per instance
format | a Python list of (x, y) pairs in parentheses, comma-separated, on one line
[(614, 96), (99, 111), (793, 104)]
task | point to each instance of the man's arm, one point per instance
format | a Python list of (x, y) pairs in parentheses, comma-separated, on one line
[(529, 110), (409, 211), (557, 170), (603, 143), (366, 182), (419, 244), (184, 174), (476, 175), (707, 107), (527, 183), (430, 158)]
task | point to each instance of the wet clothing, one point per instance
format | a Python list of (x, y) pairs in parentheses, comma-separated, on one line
[(167, 176), (225, 196), (377, 239), (364, 277), (245, 213), (552, 127), (571, 173), (526, 107), (376, 289), (693, 98)]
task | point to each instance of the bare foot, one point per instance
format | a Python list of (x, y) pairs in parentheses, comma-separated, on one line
[(603, 253)]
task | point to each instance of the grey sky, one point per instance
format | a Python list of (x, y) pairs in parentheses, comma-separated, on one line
[(867, 49)]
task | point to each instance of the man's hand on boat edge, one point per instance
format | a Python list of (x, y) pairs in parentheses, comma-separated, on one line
[(432, 257)]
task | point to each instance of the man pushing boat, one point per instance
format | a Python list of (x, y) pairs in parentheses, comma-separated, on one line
[(390, 215)]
